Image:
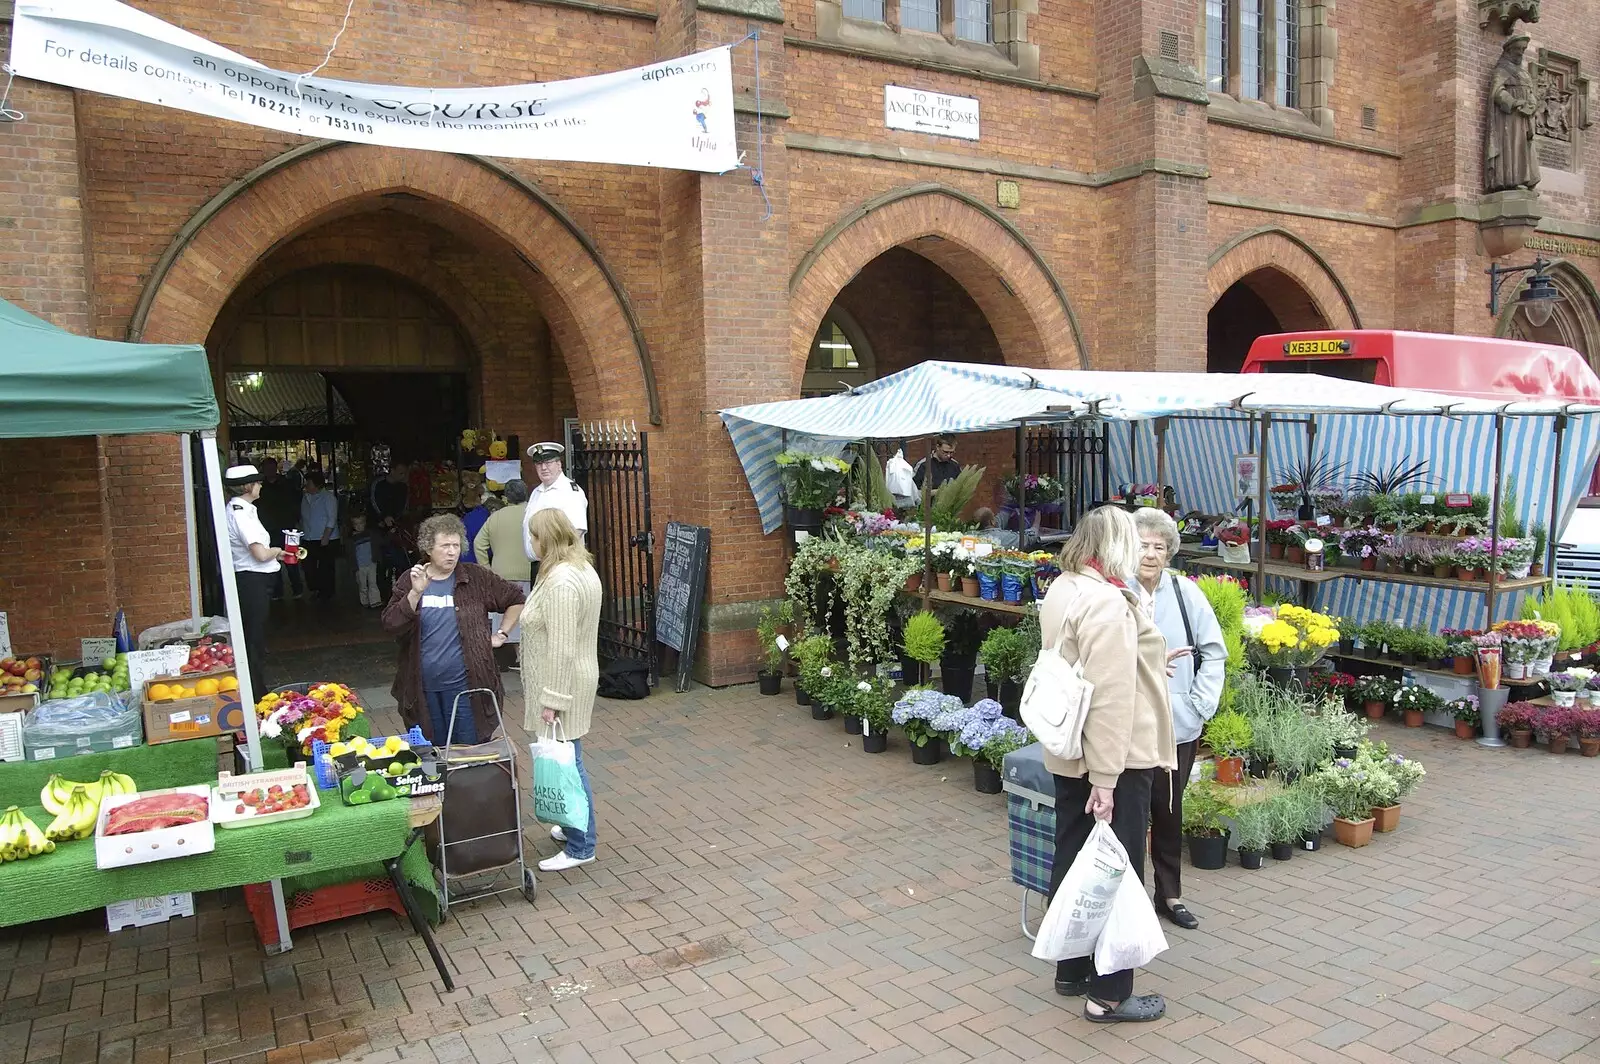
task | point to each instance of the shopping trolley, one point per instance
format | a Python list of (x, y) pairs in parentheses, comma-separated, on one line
[(1031, 818), (477, 839)]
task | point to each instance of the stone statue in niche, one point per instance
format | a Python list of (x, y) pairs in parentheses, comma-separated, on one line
[(1508, 160)]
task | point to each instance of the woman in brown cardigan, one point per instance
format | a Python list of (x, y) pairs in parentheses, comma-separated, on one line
[(1094, 613), (439, 612)]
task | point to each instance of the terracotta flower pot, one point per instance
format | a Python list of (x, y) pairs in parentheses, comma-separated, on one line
[(1413, 720), (913, 583), (1557, 744), (1536, 569), (1443, 572), (1466, 574), (1352, 832), (1294, 554), (1230, 771), (1467, 731), (1522, 739), (1589, 747), (1464, 666), (1373, 710), (1369, 564), (943, 580), (969, 586), (1275, 550), (1386, 818)]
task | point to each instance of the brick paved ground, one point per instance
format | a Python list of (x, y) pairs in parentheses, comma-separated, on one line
[(765, 891)]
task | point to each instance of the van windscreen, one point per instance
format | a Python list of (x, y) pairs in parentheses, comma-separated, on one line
[(1364, 370)]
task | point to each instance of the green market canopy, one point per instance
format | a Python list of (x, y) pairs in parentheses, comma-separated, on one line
[(59, 384)]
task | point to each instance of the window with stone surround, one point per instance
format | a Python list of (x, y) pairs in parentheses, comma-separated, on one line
[(839, 356), (989, 35), (1275, 52)]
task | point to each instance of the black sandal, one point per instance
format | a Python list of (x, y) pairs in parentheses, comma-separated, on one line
[(1140, 1009)]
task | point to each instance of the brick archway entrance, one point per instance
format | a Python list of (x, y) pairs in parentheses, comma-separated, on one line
[(1021, 299), (588, 312), (1266, 281)]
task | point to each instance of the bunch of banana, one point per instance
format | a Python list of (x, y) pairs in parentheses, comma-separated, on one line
[(57, 791), (77, 817), (21, 838)]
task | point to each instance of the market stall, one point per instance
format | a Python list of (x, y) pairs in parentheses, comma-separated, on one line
[(87, 831)]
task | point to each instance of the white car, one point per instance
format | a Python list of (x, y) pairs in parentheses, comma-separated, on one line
[(1578, 550)]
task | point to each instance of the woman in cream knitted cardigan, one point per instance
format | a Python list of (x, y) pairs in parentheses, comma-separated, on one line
[(560, 656)]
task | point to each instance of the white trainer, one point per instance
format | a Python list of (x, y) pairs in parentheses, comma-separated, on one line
[(557, 834), (563, 861)]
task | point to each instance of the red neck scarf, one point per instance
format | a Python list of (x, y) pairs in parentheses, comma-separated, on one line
[(1094, 563)]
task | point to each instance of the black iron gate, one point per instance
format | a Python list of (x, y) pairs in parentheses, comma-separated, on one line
[(1075, 454), (611, 463)]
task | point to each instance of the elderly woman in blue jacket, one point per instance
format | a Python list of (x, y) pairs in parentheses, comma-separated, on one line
[(1196, 660)]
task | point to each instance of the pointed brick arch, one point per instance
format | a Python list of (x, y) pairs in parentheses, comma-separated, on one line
[(1284, 271), (1006, 276), (588, 311)]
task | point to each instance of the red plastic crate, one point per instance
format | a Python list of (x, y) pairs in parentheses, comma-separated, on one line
[(307, 907)]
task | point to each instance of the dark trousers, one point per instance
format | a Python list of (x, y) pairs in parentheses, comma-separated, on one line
[(1130, 817), (255, 601), (1166, 824), (319, 566), (441, 704)]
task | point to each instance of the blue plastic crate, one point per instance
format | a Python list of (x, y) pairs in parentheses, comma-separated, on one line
[(1033, 842), (328, 777)]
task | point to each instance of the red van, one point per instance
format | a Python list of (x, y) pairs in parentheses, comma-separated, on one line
[(1479, 367)]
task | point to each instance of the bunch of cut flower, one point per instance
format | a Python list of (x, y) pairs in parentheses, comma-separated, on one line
[(324, 712)]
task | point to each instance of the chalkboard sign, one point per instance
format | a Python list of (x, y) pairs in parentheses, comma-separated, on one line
[(681, 592)]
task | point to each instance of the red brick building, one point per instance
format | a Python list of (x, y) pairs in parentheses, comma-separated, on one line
[(1146, 185)]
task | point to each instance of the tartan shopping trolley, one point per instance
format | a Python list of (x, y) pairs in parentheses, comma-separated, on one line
[(1031, 817)]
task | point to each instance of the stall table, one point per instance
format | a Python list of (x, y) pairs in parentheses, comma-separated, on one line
[(336, 837), (1309, 581)]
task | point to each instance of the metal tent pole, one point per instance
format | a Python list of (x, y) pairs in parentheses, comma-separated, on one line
[(1494, 516), (1261, 519), (190, 530), (1021, 494), (241, 655), (1162, 424), (1549, 559)]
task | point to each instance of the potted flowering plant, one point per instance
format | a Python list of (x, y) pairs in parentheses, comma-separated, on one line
[(1347, 788), (1363, 544), (1204, 808), (915, 712), (1519, 642), (1589, 732), (1233, 541), (983, 722), (1472, 556), (1280, 535), (1564, 686), (1590, 696), (1229, 735), (1376, 693), (1443, 562), (1468, 716), (1517, 720), (1040, 488), (1045, 571), (811, 655), (1459, 646), (811, 483), (1008, 736), (871, 704), (1556, 725), (1414, 701), (770, 628)]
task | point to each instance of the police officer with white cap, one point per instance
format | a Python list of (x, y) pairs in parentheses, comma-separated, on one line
[(554, 490), (255, 565)]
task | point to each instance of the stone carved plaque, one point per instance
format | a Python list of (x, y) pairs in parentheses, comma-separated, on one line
[(1562, 109)]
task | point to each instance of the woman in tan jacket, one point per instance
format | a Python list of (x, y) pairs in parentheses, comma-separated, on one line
[(560, 656), (1096, 608)]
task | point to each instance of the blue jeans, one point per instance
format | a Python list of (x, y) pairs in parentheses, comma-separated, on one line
[(439, 703), (580, 844)]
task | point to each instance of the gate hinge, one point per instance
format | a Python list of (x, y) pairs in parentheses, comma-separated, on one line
[(645, 541)]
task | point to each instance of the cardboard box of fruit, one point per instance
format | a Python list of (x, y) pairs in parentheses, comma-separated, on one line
[(153, 826), (376, 772), (192, 707), (70, 679), (22, 681)]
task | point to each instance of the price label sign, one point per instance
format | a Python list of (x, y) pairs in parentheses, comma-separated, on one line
[(1428, 500), (147, 665), (93, 651), (1458, 502), (1324, 521)]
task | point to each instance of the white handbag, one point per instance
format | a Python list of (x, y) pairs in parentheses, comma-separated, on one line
[(1055, 701)]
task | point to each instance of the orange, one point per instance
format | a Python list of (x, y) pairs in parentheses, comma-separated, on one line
[(227, 683), (206, 687), (160, 692)]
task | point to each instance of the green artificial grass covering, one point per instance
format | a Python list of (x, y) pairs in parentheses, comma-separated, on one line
[(354, 839)]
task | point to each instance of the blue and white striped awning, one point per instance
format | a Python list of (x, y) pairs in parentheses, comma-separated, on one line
[(936, 397)]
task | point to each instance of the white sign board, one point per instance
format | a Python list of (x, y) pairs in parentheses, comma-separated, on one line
[(146, 665), (93, 651), (501, 470), (929, 112), (676, 114), (5, 636)]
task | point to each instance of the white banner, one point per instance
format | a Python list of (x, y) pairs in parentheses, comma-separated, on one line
[(676, 114)]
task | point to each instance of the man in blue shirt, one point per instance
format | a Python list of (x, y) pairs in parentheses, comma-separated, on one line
[(319, 528)]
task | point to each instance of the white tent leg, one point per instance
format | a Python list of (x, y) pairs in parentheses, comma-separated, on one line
[(187, 441), (241, 654)]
